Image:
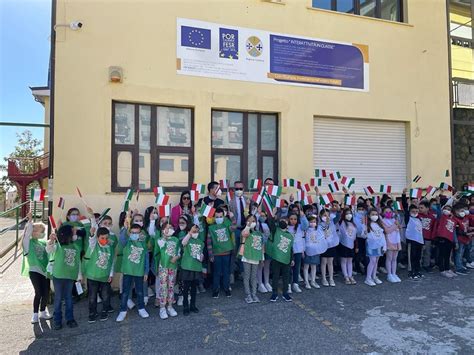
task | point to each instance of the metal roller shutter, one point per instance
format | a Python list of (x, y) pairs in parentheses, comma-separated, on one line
[(373, 152)]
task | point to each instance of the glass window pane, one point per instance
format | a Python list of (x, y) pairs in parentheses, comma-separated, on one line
[(144, 170), (124, 124), (252, 147), (346, 6), (144, 157), (124, 169), (367, 8), (390, 10), (227, 130), (145, 127), (171, 172), (268, 136), (322, 4), (227, 167), (268, 167), (174, 126)]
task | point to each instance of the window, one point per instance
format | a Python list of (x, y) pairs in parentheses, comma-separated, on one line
[(152, 145), (244, 146), (385, 9)]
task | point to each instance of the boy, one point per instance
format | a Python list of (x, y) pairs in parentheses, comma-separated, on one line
[(415, 242), (220, 246), (428, 223), (135, 267), (99, 261)]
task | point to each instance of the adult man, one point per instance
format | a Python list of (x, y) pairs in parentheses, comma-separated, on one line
[(237, 206)]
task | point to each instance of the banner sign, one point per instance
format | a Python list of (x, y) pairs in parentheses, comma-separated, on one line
[(236, 53)]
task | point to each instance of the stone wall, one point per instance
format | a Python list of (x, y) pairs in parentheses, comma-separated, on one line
[(463, 146)]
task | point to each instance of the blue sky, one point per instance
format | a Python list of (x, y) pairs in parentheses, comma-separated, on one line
[(24, 57)]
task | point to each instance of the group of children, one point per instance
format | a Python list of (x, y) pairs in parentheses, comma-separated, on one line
[(175, 261)]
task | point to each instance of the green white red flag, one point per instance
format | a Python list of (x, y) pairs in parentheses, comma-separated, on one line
[(37, 195), (207, 211)]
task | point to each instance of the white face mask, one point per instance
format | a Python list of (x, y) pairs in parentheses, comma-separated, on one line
[(462, 214), (182, 227), (324, 219), (170, 232), (253, 225), (74, 237), (349, 216), (446, 212), (220, 220), (374, 218), (239, 193), (312, 224), (140, 223), (155, 215), (414, 215), (194, 235)]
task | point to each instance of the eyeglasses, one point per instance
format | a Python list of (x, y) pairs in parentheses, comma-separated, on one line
[(186, 198), (238, 189)]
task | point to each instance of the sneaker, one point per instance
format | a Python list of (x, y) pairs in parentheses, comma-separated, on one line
[(171, 311), (248, 299), (287, 297), (391, 279), (274, 297), (300, 279), (452, 273), (307, 286), (104, 316), (201, 288), (416, 277), (331, 283), (110, 309), (92, 318), (383, 270), (255, 299), (296, 288), (463, 272), (180, 300), (130, 304), (470, 265), (121, 316), (325, 282), (347, 281), (353, 281), (314, 284), (194, 309), (396, 278), (228, 293), (186, 311), (447, 274), (269, 287), (71, 323), (262, 289), (34, 318), (289, 289), (45, 315), (215, 294), (369, 282), (377, 280), (163, 313), (57, 326)]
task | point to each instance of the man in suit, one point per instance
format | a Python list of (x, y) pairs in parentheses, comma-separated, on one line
[(238, 207)]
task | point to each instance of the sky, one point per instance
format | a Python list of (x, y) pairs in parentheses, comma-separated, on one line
[(24, 58)]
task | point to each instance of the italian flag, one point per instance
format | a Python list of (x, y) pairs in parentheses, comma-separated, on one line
[(164, 211), (126, 205), (291, 183), (194, 195), (103, 214), (326, 199), (415, 193), (129, 195), (333, 186), (304, 198), (335, 176), (162, 200), (257, 198), (386, 189), (224, 184), (306, 188), (207, 211), (85, 221), (61, 203), (52, 222), (158, 190), (320, 173), (199, 188), (267, 203), (274, 190), (350, 200), (445, 186), (397, 206), (316, 182), (375, 200), (430, 190), (255, 184), (280, 203), (37, 194), (347, 182), (417, 178), (229, 196), (369, 191)]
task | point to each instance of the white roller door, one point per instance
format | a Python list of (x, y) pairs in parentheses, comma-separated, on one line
[(373, 152)]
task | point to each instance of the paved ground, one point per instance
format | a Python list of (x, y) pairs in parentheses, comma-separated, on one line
[(434, 315)]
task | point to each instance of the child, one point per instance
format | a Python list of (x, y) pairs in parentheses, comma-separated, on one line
[(347, 233), (315, 244), (392, 233), (191, 267), (35, 261), (428, 221), (462, 238), (414, 237), (135, 267), (444, 241), (282, 258), (360, 220), (328, 229), (376, 246), (297, 226), (263, 271), (167, 256), (220, 246), (66, 262), (252, 251)]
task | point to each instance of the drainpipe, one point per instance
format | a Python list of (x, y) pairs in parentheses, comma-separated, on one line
[(451, 114), (52, 75)]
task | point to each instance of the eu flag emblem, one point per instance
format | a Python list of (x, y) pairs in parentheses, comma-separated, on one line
[(195, 37)]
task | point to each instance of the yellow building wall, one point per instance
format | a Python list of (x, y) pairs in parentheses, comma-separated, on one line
[(461, 57), (140, 36)]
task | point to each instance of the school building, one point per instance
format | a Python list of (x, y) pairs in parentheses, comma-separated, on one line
[(167, 93)]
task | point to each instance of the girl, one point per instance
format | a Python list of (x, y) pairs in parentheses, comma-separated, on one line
[(168, 255), (73, 217), (315, 245), (35, 260), (392, 230), (183, 208), (376, 246), (252, 251), (297, 227), (184, 224), (263, 271), (347, 233), (328, 229)]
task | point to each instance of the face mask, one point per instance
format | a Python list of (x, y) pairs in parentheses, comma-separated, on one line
[(74, 218), (283, 225), (374, 218), (312, 224), (239, 193), (284, 210), (462, 214), (220, 220), (182, 226), (349, 216), (253, 225), (134, 236), (446, 212), (324, 219), (155, 216), (194, 235), (74, 237), (414, 215), (103, 242), (388, 214), (170, 232), (140, 223)]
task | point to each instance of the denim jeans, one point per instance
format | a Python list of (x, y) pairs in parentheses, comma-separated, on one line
[(93, 289), (221, 269), (237, 261), (467, 252), (128, 280), (63, 289), (458, 257), (297, 267)]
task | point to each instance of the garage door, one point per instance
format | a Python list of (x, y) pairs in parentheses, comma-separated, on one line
[(373, 152)]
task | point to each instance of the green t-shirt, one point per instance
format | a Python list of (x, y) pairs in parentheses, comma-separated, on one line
[(253, 247), (282, 246), (221, 237), (192, 255), (133, 259), (98, 261), (35, 258), (67, 260), (168, 250)]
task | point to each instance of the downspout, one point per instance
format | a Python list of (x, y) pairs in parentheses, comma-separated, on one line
[(451, 103), (52, 75)]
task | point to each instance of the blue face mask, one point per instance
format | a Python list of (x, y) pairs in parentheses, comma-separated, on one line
[(134, 236), (73, 218), (220, 220)]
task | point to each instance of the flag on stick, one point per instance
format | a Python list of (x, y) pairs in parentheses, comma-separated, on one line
[(333, 186), (126, 206), (397, 206), (37, 195), (255, 184), (102, 215), (417, 178), (224, 184), (445, 186), (347, 182), (306, 188), (291, 183), (52, 222), (207, 211), (350, 200), (316, 182), (162, 200), (129, 194), (415, 193), (369, 191), (386, 189), (280, 203), (430, 190), (320, 173), (257, 198), (274, 190), (336, 175), (61, 203), (199, 188), (326, 199), (194, 195), (164, 210), (158, 190), (229, 196)]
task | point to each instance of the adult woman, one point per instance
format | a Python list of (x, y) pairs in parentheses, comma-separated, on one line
[(184, 207)]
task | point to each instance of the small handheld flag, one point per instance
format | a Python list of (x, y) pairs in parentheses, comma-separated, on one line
[(445, 186), (52, 222), (199, 188), (194, 195), (255, 184), (350, 200), (129, 194), (158, 190), (274, 190), (375, 200), (37, 195), (326, 199), (347, 182), (229, 196), (207, 211), (397, 206), (333, 186), (61, 203), (386, 189), (85, 221), (316, 182), (280, 203), (164, 211), (430, 190), (417, 178), (415, 193), (257, 198), (320, 173), (335, 176), (224, 184), (102, 215), (162, 200), (306, 188), (291, 183), (369, 191)]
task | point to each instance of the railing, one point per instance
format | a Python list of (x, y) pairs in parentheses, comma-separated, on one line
[(27, 166)]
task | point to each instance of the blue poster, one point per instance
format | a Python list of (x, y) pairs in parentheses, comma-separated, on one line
[(314, 62), (195, 37), (228, 43)]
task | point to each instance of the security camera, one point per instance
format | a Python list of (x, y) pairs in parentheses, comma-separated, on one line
[(75, 25)]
